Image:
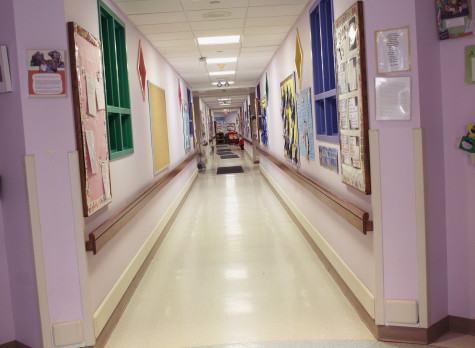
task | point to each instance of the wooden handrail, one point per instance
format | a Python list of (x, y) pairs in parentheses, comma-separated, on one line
[(104, 233), (348, 211)]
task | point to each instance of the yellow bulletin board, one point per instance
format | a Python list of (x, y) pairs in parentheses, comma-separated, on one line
[(158, 128)]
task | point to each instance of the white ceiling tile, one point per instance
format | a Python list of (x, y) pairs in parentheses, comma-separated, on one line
[(158, 18), (270, 48), (281, 10), (264, 38), (183, 35), (218, 24), (223, 32), (192, 5), (175, 43), (276, 2), (149, 6), (270, 21), (187, 49), (275, 29), (227, 14), (259, 43), (228, 66), (163, 28)]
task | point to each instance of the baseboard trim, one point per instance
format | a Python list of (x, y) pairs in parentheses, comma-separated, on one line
[(110, 310), (356, 286), (462, 325), (402, 334), (14, 344)]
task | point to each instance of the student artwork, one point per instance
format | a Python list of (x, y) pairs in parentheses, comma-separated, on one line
[(5, 81), (89, 117), (467, 143), (186, 125), (328, 158), (454, 18), (289, 119), (298, 57), (141, 70), (220, 124), (46, 73), (264, 135), (352, 98), (247, 121), (305, 124)]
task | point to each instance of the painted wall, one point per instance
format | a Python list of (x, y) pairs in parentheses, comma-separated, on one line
[(132, 174), (458, 109), (355, 248), (7, 329), (15, 240)]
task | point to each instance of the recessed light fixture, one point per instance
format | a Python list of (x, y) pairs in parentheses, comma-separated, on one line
[(218, 73), (219, 40), (216, 83), (216, 14), (220, 60), (224, 99)]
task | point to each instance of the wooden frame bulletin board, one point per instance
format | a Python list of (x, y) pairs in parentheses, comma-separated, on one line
[(350, 60), (90, 118), (158, 128)]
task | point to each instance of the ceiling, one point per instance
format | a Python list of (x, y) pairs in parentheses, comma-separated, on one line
[(173, 26)]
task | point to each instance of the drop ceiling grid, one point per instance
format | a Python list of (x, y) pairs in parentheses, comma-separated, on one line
[(174, 26)]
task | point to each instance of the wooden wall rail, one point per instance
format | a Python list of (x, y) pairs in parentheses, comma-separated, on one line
[(348, 211), (104, 233)]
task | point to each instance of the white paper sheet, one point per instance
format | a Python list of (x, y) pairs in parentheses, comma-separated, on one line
[(91, 95), (101, 102), (455, 22), (105, 179), (353, 113), (355, 152), (473, 69), (393, 50), (393, 98), (91, 150), (343, 108)]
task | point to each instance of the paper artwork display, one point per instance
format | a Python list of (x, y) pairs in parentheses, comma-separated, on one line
[(264, 131), (90, 118), (186, 125), (231, 127), (328, 158), (5, 81), (142, 71), (289, 119), (392, 50), (246, 121), (454, 18), (305, 124), (352, 98), (393, 98), (470, 64), (298, 58), (46, 73)]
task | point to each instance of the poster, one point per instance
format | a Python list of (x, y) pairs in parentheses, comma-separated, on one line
[(5, 81), (186, 125), (352, 98), (46, 73), (392, 50), (289, 119), (328, 158), (454, 18), (305, 124), (264, 128), (393, 98), (470, 64)]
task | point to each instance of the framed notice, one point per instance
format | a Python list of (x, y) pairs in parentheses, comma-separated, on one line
[(470, 64), (392, 50), (90, 118), (352, 98), (46, 73), (393, 98)]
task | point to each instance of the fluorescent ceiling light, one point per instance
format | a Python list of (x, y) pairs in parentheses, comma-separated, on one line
[(219, 40), (216, 83), (224, 99), (220, 60), (226, 72)]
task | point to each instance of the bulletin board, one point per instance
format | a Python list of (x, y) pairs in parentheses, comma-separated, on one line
[(350, 63), (289, 119), (90, 118), (158, 127)]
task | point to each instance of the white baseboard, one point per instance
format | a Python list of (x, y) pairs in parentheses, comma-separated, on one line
[(107, 307), (68, 333), (402, 312), (359, 289)]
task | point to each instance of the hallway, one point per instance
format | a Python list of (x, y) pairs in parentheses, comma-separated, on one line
[(234, 269)]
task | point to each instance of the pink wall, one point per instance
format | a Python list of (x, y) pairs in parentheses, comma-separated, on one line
[(42, 118), (458, 108), (7, 329), (337, 232), (16, 236), (132, 174), (432, 123)]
